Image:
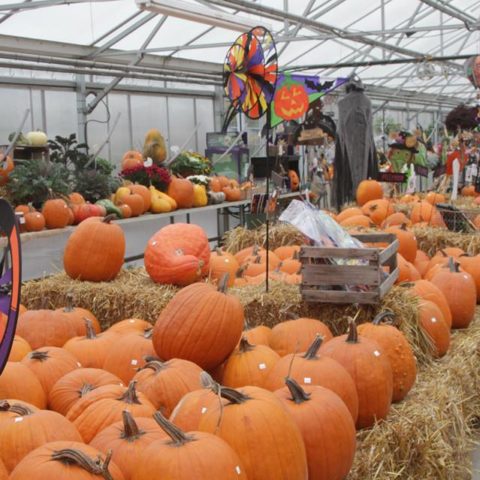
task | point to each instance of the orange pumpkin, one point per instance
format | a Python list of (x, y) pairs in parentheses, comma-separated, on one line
[(378, 210), (177, 254), (397, 218), (287, 251), (469, 191), (20, 348), (426, 212), (434, 198), (408, 242), (34, 222), (126, 210), (421, 262), (357, 221), (232, 194), (407, 272), (76, 198), (55, 213), (182, 192), (144, 192), (132, 159), (136, 203), (215, 185), (6, 167), (431, 321), (368, 190), (221, 263), (347, 213)]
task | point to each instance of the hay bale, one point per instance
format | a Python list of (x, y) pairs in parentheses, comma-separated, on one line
[(131, 295), (430, 240), (430, 434)]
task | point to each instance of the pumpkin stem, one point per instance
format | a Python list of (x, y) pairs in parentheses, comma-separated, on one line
[(4, 406), (312, 351), (232, 395), (299, 395), (382, 315), (443, 253), (245, 346), (40, 355), (223, 283), (69, 308), (69, 456), (291, 316), (178, 436), (403, 227), (208, 382), (406, 284), (90, 335), (219, 251), (148, 333), (109, 218), (255, 250), (86, 388), (240, 272), (130, 396), (19, 409), (296, 255), (154, 364), (453, 265), (258, 259), (352, 331), (130, 430)]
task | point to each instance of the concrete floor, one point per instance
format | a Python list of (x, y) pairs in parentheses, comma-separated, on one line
[(476, 463)]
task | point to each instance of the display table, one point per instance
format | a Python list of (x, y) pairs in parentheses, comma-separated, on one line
[(42, 252)]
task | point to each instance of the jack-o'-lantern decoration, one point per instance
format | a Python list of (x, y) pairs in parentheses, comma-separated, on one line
[(291, 101)]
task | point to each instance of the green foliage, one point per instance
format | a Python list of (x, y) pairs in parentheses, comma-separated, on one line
[(69, 152), (94, 184), (33, 180), (191, 163)]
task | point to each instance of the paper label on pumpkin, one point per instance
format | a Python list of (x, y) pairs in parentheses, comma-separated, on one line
[(18, 419), (434, 320), (179, 252), (376, 353), (238, 470), (262, 366), (307, 380), (204, 410), (134, 362)]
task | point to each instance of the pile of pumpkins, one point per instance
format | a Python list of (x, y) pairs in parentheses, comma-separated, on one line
[(94, 403)]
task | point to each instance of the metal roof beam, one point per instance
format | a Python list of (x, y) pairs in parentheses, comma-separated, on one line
[(448, 9), (16, 7), (11, 13), (116, 27)]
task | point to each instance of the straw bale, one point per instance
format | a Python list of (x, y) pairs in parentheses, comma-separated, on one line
[(430, 240), (430, 434), (131, 295)]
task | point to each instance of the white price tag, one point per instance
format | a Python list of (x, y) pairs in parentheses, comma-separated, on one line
[(262, 366), (18, 419), (307, 380), (204, 410), (134, 362)]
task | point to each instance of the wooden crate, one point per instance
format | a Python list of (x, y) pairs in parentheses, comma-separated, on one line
[(319, 280)]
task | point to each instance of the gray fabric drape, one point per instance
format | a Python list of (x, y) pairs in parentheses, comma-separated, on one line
[(355, 155)]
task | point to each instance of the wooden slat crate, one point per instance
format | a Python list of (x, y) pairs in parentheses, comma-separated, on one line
[(321, 280)]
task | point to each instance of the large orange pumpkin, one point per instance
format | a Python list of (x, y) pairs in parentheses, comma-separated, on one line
[(130, 325), (50, 364), (19, 382), (378, 210), (432, 323), (165, 383), (136, 203), (55, 213), (287, 251), (20, 348), (368, 190), (295, 336), (177, 254), (469, 191), (249, 365), (460, 291), (434, 198), (95, 251), (313, 369), (200, 323), (37, 427), (471, 265), (144, 192), (127, 439), (75, 385), (254, 416), (398, 350), (221, 263), (408, 242), (78, 316), (196, 455), (259, 335), (76, 198), (34, 222), (371, 371), (321, 416), (62, 460), (182, 192), (426, 212)]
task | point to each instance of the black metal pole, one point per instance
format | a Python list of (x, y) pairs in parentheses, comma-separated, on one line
[(267, 223)]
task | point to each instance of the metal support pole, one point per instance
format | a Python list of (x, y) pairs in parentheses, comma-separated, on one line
[(81, 93)]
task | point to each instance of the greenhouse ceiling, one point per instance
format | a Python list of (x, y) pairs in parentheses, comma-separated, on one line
[(403, 50)]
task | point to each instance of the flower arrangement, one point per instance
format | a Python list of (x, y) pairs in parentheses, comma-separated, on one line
[(154, 175), (191, 163), (200, 180)]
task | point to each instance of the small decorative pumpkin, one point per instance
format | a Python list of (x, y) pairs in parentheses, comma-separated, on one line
[(132, 159), (357, 221), (50, 364), (200, 198), (279, 449), (182, 456), (55, 213), (259, 335), (144, 192), (6, 167), (370, 370), (425, 212), (37, 138), (130, 325), (19, 382), (347, 213), (295, 336), (37, 427), (434, 198), (136, 203), (313, 369), (396, 219), (106, 411), (194, 320), (177, 254), (249, 365), (34, 222), (321, 416), (75, 385), (287, 251), (368, 190), (460, 291), (72, 460), (182, 192), (165, 383), (378, 210), (95, 250), (127, 439), (398, 350)]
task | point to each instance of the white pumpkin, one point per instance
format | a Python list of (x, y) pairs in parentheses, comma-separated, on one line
[(37, 138)]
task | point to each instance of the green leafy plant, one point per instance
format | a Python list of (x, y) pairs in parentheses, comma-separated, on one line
[(95, 184), (69, 152), (191, 163), (35, 180)]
